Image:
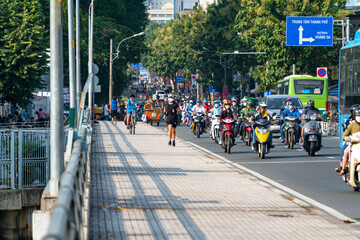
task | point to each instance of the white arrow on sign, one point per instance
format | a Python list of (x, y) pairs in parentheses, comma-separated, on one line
[(301, 39)]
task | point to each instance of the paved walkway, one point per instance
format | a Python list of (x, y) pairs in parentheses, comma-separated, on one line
[(143, 189)]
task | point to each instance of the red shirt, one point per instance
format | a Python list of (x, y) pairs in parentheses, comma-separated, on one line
[(207, 107)]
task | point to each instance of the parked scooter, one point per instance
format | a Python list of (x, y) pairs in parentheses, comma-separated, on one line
[(291, 131), (247, 131), (215, 134), (312, 134), (262, 137), (198, 124), (352, 173), (228, 133)]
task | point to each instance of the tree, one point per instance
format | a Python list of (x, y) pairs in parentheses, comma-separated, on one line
[(22, 50)]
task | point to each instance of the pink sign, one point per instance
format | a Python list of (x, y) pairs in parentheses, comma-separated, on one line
[(225, 92)]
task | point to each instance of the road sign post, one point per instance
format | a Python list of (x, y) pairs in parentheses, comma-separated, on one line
[(309, 31)]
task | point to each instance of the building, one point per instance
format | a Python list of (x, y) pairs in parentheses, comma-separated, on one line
[(164, 14), (205, 3)]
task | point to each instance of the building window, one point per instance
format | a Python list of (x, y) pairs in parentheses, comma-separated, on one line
[(161, 15), (154, 15), (161, 21), (169, 15)]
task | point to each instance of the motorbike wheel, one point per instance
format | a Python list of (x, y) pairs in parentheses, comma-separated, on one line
[(228, 146), (312, 149), (291, 140), (159, 124), (197, 131), (216, 136), (133, 123), (261, 151)]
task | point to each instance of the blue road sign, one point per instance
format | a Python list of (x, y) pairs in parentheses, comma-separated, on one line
[(179, 79), (309, 31)]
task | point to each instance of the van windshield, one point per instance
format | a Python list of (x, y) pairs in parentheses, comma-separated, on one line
[(277, 103)]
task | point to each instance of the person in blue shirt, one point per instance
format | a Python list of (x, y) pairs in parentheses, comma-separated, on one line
[(292, 111), (131, 106), (114, 107)]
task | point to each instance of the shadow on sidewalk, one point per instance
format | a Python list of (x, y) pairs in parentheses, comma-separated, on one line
[(149, 204)]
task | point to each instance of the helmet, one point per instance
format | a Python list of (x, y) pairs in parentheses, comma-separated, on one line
[(205, 101), (244, 99), (290, 103), (171, 96), (249, 102), (311, 103), (191, 101), (288, 99), (262, 104), (227, 102), (353, 107), (148, 101), (198, 101), (233, 99), (357, 111), (216, 101)]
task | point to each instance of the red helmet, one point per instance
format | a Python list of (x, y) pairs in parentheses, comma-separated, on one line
[(288, 99)]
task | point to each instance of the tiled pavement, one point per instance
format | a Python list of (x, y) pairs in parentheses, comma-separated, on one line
[(143, 189)]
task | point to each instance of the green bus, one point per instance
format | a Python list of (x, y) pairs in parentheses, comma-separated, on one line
[(305, 87)]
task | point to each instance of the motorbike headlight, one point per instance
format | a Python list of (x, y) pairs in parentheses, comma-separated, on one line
[(262, 131), (313, 117)]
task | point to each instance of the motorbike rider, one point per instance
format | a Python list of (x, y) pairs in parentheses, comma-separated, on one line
[(291, 110), (189, 106), (198, 108), (215, 111), (206, 105), (249, 110), (286, 105), (234, 105), (262, 114), (243, 102), (226, 112), (353, 128), (310, 110)]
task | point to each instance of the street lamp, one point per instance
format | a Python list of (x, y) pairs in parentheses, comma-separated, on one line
[(116, 56)]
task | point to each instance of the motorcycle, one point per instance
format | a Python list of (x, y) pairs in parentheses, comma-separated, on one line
[(352, 173), (247, 130), (198, 124), (179, 118), (208, 119), (312, 134), (187, 119), (215, 134), (228, 133), (262, 137), (291, 131)]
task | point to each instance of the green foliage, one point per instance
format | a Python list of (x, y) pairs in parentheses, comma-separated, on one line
[(22, 50)]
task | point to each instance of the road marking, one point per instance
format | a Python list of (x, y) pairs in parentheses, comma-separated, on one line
[(331, 157), (310, 161), (311, 201), (299, 150)]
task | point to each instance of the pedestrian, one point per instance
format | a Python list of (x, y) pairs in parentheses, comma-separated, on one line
[(114, 107), (106, 111), (171, 109)]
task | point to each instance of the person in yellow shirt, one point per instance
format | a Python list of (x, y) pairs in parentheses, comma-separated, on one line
[(148, 105)]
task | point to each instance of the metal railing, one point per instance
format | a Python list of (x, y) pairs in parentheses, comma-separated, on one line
[(25, 157)]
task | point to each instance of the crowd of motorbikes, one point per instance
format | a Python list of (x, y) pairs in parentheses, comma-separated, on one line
[(230, 129)]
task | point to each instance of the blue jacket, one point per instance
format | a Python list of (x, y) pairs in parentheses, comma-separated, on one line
[(287, 112)]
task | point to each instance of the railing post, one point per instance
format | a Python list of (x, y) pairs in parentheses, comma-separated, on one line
[(12, 146), (47, 156), (20, 167)]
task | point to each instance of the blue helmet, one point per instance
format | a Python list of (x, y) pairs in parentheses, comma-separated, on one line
[(217, 101), (198, 101), (233, 99), (205, 101), (191, 101)]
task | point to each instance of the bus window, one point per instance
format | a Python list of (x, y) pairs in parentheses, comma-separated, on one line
[(286, 87), (349, 78), (280, 87), (304, 86), (356, 88)]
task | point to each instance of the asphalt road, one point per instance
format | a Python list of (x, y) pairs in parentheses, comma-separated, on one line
[(313, 177)]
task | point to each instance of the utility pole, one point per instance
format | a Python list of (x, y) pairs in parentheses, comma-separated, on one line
[(72, 72), (57, 104), (90, 67), (111, 64), (78, 57), (225, 70), (294, 69)]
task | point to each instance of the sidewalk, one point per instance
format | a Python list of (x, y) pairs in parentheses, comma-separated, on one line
[(143, 189)]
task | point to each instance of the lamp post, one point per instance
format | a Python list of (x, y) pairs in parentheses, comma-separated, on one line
[(116, 56)]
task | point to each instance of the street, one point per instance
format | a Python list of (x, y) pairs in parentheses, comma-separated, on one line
[(313, 177)]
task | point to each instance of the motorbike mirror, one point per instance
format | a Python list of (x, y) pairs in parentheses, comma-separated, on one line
[(274, 114), (301, 112)]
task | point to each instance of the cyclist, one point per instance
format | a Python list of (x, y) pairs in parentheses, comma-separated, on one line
[(131, 106), (171, 109), (114, 107)]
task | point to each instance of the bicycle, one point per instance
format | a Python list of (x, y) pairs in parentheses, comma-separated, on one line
[(132, 123)]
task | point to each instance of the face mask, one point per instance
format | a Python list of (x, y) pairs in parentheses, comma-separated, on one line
[(357, 118), (216, 105), (291, 107), (171, 99), (227, 106)]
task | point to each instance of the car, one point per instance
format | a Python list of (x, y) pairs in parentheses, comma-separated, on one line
[(160, 95), (274, 105)]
